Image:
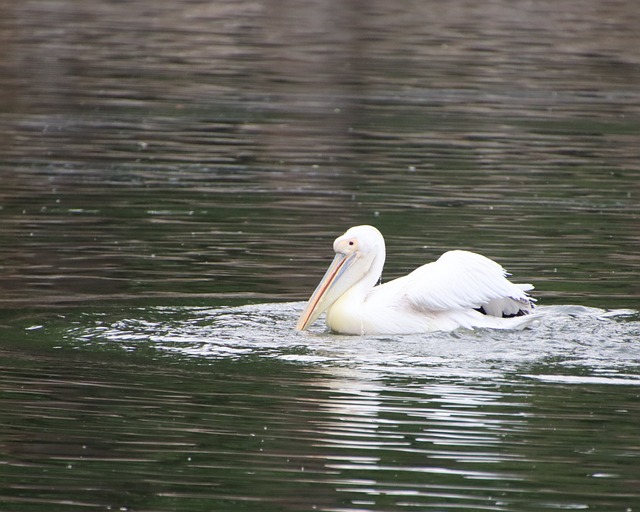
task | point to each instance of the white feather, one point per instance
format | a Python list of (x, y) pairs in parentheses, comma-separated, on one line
[(461, 280)]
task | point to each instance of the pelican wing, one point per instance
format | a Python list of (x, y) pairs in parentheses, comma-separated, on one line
[(462, 280)]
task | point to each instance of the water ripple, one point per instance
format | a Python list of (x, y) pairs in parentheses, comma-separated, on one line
[(568, 337)]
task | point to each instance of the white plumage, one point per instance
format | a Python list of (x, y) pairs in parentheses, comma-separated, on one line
[(460, 289)]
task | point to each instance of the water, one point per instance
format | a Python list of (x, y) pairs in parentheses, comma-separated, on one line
[(165, 408), (173, 176)]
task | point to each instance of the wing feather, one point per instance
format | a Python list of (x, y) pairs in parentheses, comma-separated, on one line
[(462, 280)]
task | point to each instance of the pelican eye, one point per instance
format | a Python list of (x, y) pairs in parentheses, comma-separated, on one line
[(351, 242)]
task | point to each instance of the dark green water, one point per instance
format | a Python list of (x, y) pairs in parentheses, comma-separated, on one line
[(172, 176)]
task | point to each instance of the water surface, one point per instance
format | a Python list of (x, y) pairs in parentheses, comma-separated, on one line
[(172, 179)]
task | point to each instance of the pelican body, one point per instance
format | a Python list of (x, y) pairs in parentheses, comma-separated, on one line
[(460, 289)]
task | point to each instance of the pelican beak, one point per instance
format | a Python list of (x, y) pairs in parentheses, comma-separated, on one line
[(330, 289)]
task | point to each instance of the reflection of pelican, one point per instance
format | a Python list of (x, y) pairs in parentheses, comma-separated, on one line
[(460, 289)]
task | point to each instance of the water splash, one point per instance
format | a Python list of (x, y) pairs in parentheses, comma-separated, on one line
[(567, 337)]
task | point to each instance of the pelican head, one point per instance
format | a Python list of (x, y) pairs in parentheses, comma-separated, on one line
[(359, 259)]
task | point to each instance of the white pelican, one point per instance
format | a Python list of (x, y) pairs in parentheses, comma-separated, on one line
[(460, 289)]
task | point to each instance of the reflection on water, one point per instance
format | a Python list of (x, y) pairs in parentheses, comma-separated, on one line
[(222, 407), (173, 176)]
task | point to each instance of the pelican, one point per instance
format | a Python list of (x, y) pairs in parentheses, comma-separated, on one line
[(460, 289)]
